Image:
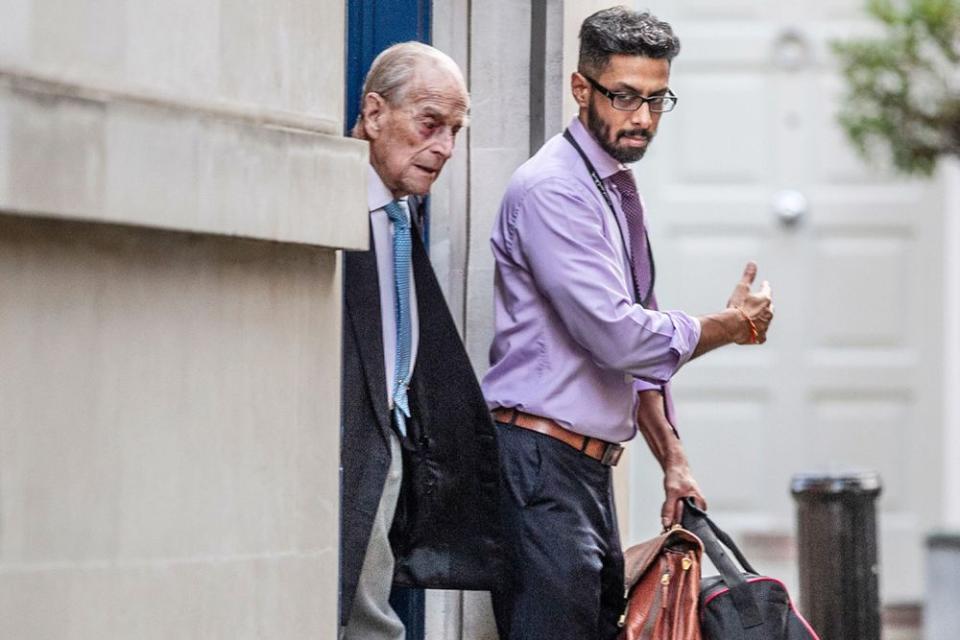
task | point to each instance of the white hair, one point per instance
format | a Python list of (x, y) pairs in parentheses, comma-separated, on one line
[(393, 71)]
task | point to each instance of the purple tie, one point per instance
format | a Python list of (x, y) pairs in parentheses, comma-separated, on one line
[(633, 212), (641, 270)]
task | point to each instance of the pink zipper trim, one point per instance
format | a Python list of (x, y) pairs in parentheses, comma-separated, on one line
[(789, 602), (802, 619)]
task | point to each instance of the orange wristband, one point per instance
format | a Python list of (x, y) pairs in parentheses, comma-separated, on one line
[(754, 334)]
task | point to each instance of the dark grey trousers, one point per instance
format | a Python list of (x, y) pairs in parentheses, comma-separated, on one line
[(560, 528)]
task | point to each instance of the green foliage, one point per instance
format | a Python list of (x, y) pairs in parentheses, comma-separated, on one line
[(903, 88)]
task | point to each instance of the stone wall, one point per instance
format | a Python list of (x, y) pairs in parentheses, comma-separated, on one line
[(174, 190)]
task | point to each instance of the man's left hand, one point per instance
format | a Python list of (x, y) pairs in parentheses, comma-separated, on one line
[(678, 483)]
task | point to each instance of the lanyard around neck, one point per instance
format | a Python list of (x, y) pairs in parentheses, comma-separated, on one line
[(644, 299)]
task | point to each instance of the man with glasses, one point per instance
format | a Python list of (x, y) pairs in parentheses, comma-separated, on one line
[(581, 359)]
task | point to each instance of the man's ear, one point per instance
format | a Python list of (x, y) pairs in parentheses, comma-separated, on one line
[(580, 89), (374, 109)]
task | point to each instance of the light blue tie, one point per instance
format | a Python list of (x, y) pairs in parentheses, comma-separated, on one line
[(397, 212)]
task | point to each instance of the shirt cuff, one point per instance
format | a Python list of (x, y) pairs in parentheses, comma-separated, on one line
[(686, 336), (642, 385)]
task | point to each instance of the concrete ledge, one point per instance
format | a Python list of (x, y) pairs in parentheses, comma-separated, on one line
[(48, 82), (108, 156)]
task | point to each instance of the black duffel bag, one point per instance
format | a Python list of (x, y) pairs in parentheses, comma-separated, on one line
[(740, 605)]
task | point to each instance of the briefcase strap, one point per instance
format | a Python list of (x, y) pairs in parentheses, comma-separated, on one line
[(699, 523)]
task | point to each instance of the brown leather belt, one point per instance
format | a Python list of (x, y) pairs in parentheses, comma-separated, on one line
[(607, 453)]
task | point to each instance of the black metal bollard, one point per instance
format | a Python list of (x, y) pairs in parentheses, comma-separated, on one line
[(837, 540)]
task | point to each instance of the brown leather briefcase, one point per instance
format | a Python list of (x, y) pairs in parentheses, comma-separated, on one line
[(663, 586)]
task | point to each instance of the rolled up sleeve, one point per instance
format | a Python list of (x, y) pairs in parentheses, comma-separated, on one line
[(559, 234), (686, 339)]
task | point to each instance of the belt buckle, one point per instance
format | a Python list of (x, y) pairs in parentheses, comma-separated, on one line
[(611, 454)]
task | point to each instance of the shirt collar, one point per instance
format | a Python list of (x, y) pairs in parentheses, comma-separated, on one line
[(605, 164), (378, 196)]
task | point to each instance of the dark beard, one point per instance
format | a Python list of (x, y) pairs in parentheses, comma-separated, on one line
[(601, 133)]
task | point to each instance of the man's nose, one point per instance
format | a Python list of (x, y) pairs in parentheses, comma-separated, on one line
[(642, 118), (444, 143)]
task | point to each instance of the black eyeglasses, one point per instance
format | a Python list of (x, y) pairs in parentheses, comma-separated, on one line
[(632, 101)]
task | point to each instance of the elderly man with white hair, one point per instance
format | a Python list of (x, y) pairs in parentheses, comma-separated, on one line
[(419, 504)]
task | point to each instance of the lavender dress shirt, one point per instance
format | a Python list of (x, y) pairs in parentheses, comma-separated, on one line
[(570, 343)]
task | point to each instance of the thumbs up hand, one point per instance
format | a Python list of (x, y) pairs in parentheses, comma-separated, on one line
[(756, 309)]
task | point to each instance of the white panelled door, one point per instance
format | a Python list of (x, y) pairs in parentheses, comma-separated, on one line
[(751, 165)]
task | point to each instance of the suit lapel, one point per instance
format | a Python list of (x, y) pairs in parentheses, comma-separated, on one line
[(430, 299), (362, 297)]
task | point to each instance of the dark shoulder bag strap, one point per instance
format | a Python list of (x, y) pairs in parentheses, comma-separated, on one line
[(722, 535), (714, 539)]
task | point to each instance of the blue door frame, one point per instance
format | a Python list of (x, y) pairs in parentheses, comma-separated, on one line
[(372, 26)]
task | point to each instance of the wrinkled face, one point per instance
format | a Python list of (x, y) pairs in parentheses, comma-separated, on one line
[(412, 140), (625, 135)]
